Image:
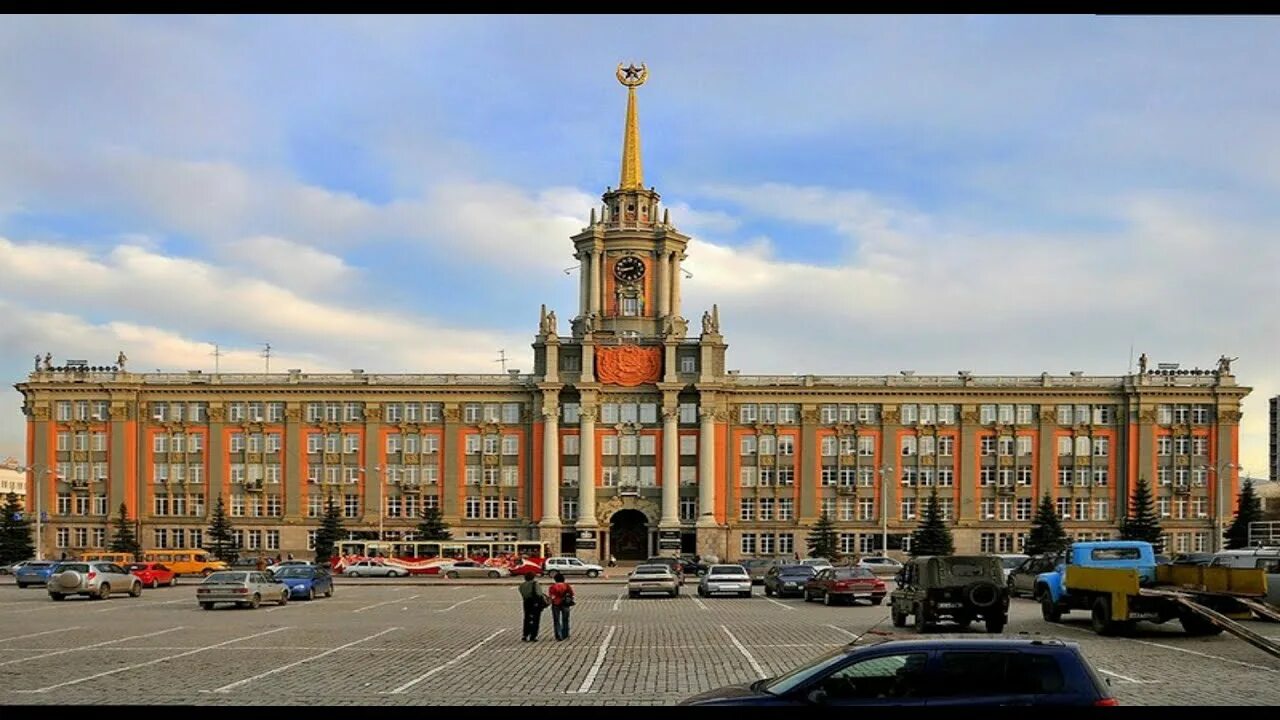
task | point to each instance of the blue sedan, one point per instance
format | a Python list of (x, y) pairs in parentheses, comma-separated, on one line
[(306, 582), (36, 572)]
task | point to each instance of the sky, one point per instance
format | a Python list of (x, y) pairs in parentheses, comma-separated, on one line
[(1005, 195)]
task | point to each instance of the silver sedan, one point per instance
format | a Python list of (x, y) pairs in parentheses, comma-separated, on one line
[(471, 568), (370, 568), (725, 579), (652, 579), (245, 589)]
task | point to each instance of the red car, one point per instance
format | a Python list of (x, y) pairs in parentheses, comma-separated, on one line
[(153, 574), (845, 583)]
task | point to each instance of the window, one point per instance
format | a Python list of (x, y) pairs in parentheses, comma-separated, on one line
[(747, 445), (1181, 414), (1005, 445), (350, 505), (829, 414), (946, 414), (688, 509), (1005, 414), (688, 363), (1164, 445), (786, 445), (987, 476), (909, 414), (786, 509), (1063, 507), (748, 544), (986, 414), (1100, 509), (1023, 510), (688, 413), (908, 508), (828, 475), (1164, 415), (511, 413), (1199, 446), (747, 476), (988, 444), (1163, 476), (747, 414), (510, 444), (889, 676), (946, 476), (1200, 414), (1064, 414), (928, 414), (988, 508), (908, 445)]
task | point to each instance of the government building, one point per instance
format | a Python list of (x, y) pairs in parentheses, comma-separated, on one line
[(628, 438)]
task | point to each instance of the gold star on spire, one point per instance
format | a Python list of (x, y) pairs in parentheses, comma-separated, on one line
[(632, 171)]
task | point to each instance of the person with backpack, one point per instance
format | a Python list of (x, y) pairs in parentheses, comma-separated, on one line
[(561, 600), (534, 601)]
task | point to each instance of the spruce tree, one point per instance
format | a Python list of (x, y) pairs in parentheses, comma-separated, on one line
[(1142, 523), (122, 539), (432, 526), (1046, 536), (822, 539), (222, 535), (932, 536), (329, 533), (1248, 511), (15, 532)]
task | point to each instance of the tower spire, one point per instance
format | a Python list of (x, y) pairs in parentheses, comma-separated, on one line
[(632, 171)]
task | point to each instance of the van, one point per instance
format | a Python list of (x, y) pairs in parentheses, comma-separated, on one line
[(185, 562), (1265, 558)]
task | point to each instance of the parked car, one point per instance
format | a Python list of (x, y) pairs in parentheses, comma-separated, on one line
[(846, 584), (757, 568), (570, 566), (277, 567), (97, 580), (243, 588), (1009, 562), (817, 563), (1264, 558), (689, 565), (977, 672), (961, 588), (1022, 580), (676, 565), (373, 568), (784, 580), (306, 581), (652, 579), (1193, 559), (153, 575), (471, 568), (725, 579), (881, 565), (34, 572), (12, 567)]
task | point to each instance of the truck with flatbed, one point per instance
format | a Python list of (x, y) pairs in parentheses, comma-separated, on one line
[(1120, 583)]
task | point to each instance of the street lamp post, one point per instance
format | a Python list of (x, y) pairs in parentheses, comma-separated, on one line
[(37, 471), (1219, 543), (884, 470)]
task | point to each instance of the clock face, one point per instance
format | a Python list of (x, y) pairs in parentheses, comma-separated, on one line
[(629, 269)]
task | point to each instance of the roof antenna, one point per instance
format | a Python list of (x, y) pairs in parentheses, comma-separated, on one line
[(266, 353)]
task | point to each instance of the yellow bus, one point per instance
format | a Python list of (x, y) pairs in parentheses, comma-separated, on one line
[(185, 562)]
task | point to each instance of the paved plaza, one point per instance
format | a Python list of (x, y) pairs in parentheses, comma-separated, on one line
[(445, 643)]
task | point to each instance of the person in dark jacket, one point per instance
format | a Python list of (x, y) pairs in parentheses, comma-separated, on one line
[(534, 601)]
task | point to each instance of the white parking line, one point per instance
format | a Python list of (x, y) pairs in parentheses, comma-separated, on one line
[(617, 603), (282, 668), (166, 658), (699, 603), (1206, 655), (438, 668), (86, 647), (779, 604), (384, 602), (745, 653), (309, 603), (46, 632), (846, 632), (595, 667), (460, 602), (1127, 678), (123, 606)]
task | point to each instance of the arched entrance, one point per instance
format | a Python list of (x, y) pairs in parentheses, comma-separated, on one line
[(629, 535)]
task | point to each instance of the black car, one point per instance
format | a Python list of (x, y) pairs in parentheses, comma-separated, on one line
[(1193, 559), (784, 580), (934, 672)]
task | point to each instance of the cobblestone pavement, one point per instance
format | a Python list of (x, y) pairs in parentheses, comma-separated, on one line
[(460, 644)]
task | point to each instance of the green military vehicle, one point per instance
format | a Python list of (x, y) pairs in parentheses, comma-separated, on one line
[(961, 588)]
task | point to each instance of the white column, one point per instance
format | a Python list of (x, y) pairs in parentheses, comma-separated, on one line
[(670, 467), (706, 468), (584, 282), (664, 285), (587, 468), (550, 466), (595, 290), (675, 283)]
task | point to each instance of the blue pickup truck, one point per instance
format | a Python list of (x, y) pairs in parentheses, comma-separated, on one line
[(1120, 582)]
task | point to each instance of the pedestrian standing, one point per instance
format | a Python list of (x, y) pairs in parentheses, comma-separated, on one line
[(561, 600), (533, 602)]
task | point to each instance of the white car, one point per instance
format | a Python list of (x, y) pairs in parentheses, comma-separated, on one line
[(288, 563), (881, 565), (725, 579), (373, 568), (570, 566), (818, 564)]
